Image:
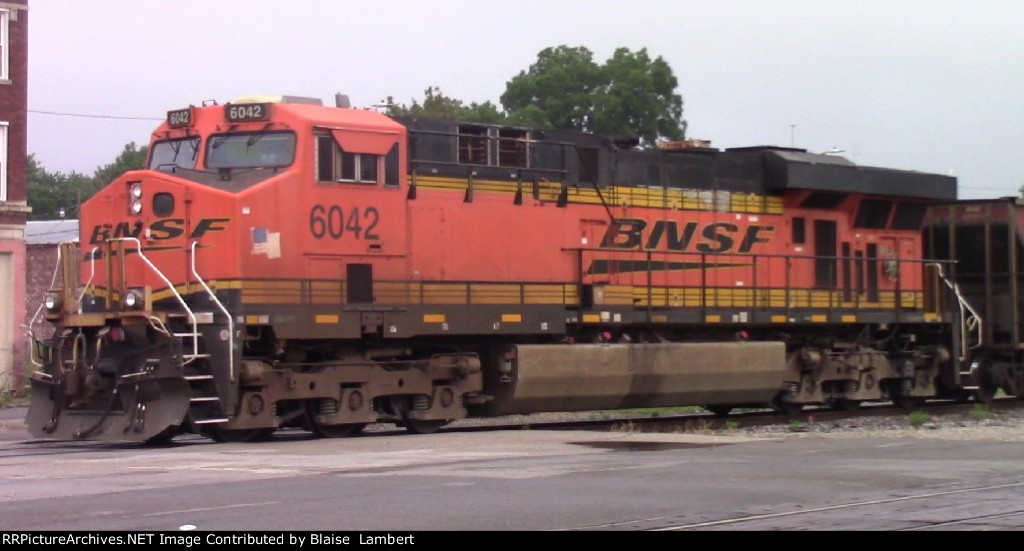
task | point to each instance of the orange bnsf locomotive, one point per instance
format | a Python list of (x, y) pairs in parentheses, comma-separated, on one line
[(280, 263)]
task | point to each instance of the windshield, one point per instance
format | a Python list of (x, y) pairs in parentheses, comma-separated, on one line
[(171, 153), (250, 150)]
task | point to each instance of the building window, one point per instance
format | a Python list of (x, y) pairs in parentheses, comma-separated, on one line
[(5, 73), (3, 161)]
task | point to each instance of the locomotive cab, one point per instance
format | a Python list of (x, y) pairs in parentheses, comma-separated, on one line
[(166, 261)]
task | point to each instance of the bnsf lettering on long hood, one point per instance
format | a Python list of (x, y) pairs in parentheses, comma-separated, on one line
[(160, 230), (714, 237)]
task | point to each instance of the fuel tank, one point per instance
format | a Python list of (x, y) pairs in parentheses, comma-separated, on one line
[(581, 377)]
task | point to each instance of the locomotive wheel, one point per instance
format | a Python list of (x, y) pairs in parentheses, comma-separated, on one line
[(419, 426), (338, 431), (330, 431), (786, 408), (908, 402), (844, 405), (985, 393), (719, 411), (982, 378), (1013, 385), (239, 435), (164, 437)]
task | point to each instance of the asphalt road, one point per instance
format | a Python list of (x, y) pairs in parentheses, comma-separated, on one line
[(524, 480)]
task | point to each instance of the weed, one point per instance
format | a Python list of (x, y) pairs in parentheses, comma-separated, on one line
[(664, 411), (797, 426), (700, 426), (732, 425), (981, 412), (626, 426), (18, 397), (918, 418), (14, 399)]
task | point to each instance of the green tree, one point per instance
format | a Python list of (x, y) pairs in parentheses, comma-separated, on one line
[(562, 84), (436, 105), (132, 157), (530, 116), (637, 98), (629, 94), (49, 192)]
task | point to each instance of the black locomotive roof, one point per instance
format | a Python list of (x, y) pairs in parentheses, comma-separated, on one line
[(759, 169), (796, 170)]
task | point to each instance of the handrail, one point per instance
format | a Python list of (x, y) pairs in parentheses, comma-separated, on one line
[(231, 323), (191, 316), (760, 293), (967, 323), (28, 328), (92, 273)]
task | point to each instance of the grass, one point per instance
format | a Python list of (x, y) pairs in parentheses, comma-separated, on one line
[(797, 426), (626, 426), (698, 427), (981, 412), (658, 412), (18, 397), (14, 399), (918, 418)]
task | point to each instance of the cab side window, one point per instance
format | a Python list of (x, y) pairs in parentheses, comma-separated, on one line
[(334, 165), (325, 159)]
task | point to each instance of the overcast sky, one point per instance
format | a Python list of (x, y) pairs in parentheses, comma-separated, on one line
[(927, 85)]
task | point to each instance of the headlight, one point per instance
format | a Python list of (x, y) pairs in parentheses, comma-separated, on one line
[(136, 190), (133, 299), (52, 302), (137, 206)]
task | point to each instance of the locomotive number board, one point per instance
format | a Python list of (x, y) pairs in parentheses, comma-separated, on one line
[(247, 112), (179, 117)]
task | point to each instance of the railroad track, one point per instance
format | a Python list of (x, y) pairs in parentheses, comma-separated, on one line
[(593, 421), (806, 518), (704, 421)]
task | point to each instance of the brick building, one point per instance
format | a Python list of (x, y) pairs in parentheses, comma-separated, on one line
[(42, 239), (13, 187)]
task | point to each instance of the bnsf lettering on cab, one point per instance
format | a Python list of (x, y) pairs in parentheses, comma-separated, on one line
[(160, 230), (715, 238)]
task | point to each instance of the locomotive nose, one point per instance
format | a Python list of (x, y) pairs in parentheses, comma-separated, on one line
[(142, 207), (156, 202)]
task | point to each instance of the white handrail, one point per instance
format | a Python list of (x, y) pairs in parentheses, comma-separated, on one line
[(92, 273), (28, 328), (231, 323), (191, 316), (967, 323)]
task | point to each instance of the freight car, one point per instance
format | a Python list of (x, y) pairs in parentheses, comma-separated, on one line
[(281, 263)]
